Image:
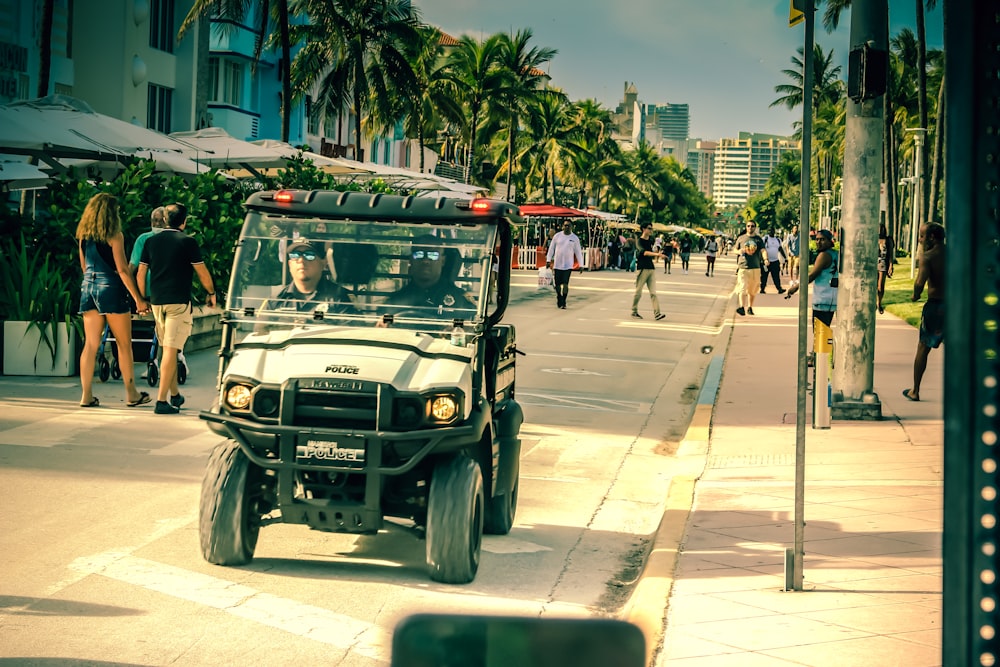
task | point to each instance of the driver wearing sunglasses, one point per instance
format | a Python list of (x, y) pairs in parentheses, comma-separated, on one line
[(310, 288), (431, 284)]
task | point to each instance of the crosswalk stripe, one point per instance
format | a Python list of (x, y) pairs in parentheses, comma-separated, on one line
[(304, 620)]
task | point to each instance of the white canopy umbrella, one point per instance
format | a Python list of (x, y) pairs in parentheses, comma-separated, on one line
[(18, 175), (215, 147), (451, 194), (329, 165), (58, 126), (165, 162)]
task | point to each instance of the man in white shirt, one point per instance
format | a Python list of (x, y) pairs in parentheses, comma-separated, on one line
[(775, 253), (564, 253)]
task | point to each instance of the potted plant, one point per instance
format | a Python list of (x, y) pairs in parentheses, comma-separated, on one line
[(41, 326)]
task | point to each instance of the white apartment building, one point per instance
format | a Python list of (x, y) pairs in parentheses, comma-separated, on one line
[(701, 164), (743, 165)]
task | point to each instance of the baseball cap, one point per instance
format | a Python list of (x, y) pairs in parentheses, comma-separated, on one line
[(302, 244)]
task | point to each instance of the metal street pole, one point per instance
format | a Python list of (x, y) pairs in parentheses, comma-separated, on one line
[(918, 188), (795, 580)]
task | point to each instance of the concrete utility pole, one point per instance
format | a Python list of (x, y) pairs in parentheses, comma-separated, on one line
[(854, 330)]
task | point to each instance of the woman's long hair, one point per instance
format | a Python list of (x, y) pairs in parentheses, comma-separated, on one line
[(100, 220)]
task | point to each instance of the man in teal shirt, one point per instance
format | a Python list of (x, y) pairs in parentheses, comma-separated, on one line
[(157, 222)]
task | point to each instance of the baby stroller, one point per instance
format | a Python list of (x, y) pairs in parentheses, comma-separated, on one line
[(153, 364), (144, 350)]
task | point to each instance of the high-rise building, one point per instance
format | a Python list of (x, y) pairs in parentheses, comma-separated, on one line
[(673, 120), (701, 164), (743, 165)]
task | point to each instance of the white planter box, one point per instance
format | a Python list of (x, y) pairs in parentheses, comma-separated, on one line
[(25, 353)]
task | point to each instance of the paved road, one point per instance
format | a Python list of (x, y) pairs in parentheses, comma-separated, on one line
[(100, 546)]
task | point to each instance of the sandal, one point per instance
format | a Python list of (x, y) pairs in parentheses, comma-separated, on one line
[(94, 402), (142, 400)]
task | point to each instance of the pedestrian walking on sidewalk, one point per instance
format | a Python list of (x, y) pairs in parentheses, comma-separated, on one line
[(823, 274), (772, 265), (749, 258), (646, 266), (792, 247), (668, 254), (711, 249), (886, 255), (107, 283), (685, 249), (931, 274), (564, 255), (172, 258)]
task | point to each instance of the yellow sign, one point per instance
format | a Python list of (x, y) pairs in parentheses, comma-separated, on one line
[(822, 337), (796, 12), (749, 213)]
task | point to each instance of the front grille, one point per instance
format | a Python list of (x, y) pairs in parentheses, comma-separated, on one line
[(336, 409)]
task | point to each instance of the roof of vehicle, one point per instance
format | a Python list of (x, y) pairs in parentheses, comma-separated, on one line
[(365, 206)]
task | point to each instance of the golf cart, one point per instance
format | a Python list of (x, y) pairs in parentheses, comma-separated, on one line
[(384, 389)]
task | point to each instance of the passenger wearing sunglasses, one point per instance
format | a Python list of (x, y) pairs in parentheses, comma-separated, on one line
[(431, 284), (310, 289)]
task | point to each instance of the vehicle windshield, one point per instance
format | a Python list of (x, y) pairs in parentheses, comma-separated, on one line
[(301, 273)]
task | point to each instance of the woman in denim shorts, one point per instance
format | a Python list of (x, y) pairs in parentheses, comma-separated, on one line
[(107, 282)]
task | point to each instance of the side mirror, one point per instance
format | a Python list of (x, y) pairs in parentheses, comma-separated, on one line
[(446, 640)]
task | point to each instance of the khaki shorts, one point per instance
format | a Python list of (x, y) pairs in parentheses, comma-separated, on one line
[(748, 281), (173, 324)]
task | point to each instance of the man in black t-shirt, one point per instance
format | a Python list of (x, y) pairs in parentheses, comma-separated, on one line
[(172, 258), (646, 271)]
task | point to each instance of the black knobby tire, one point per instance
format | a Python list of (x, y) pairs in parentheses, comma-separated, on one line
[(103, 368), (501, 508), (116, 370), (228, 522), (152, 373), (182, 373), (455, 521)]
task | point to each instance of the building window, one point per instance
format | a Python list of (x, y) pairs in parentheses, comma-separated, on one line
[(161, 25), (312, 116), (232, 83), (159, 103), (213, 79), (225, 81)]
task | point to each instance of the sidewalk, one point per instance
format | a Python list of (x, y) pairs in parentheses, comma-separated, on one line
[(873, 512)]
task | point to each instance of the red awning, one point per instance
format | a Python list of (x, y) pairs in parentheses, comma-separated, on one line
[(551, 211)]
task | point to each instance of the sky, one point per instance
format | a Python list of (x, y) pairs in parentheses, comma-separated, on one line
[(722, 58)]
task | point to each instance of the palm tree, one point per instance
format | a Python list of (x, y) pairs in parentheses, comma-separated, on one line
[(827, 86), (524, 80), (477, 78), (548, 130), (354, 53), (434, 105), (593, 153), (233, 13)]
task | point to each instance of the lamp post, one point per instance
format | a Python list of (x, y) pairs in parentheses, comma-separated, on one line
[(918, 176), (824, 222)]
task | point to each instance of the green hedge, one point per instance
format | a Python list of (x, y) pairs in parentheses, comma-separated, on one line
[(215, 215)]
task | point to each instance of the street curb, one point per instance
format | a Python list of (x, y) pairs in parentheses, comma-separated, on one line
[(695, 440), (647, 606)]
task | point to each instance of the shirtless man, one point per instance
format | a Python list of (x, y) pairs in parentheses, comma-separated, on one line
[(930, 273)]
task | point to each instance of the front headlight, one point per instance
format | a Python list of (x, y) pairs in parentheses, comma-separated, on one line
[(238, 397), (443, 409)]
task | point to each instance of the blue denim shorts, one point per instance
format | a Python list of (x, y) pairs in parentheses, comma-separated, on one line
[(104, 294)]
